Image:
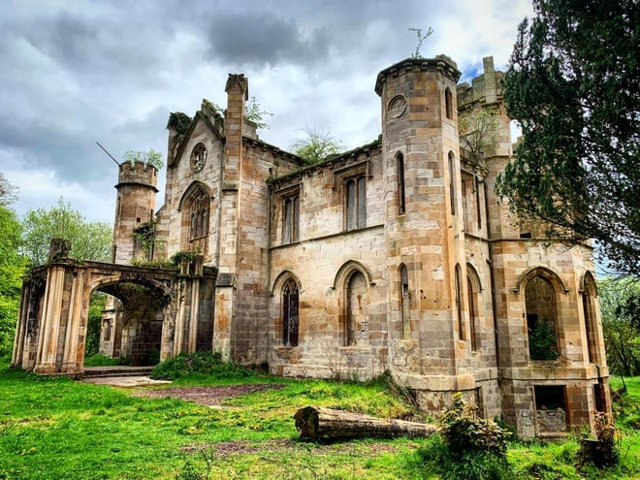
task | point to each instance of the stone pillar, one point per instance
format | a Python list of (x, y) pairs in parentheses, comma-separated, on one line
[(178, 335), (193, 317), (71, 364), (21, 327), (48, 338)]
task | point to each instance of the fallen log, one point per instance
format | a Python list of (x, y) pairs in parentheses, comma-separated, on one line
[(320, 423)]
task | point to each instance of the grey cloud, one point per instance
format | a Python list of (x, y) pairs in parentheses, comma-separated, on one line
[(264, 39)]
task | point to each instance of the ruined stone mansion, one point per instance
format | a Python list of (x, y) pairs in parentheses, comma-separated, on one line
[(395, 256)]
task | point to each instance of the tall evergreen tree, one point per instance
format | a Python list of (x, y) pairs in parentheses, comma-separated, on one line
[(573, 84)]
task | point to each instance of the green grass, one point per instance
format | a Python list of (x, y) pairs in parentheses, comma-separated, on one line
[(102, 361), (57, 428)]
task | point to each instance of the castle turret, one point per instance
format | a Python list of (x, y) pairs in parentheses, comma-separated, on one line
[(424, 228), (135, 206)]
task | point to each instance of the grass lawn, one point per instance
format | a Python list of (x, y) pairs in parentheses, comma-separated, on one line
[(61, 429)]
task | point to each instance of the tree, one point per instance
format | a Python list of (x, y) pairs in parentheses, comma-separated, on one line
[(573, 84), (619, 301), (12, 269), (254, 113), (7, 191), (12, 266), (318, 145), (89, 240), (478, 130)]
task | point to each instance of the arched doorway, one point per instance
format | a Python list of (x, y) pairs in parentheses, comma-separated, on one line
[(131, 324)]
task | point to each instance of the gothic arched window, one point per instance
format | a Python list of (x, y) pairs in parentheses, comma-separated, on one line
[(199, 215), (290, 314)]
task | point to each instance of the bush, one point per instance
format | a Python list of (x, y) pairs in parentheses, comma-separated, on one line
[(207, 363), (471, 447), (464, 432)]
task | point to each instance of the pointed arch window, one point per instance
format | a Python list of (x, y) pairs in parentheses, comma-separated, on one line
[(199, 216), (448, 103), (355, 315), (458, 281), (540, 301), (588, 300), (290, 314), (291, 219), (452, 183), (356, 202)]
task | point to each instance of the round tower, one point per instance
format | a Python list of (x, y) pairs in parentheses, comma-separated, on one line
[(135, 206)]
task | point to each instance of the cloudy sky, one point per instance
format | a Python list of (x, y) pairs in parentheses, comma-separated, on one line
[(74, 73)]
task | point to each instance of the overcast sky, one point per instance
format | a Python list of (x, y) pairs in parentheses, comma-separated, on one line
[(74, 73)]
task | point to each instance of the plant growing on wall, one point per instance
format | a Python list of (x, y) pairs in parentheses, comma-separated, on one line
[(542, 341), (317, 145), (478, 130), (148, 157)]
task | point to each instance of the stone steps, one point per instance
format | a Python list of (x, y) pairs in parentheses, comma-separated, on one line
[(116, 371)]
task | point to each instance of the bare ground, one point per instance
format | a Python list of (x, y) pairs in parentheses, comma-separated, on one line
[(211, 396)]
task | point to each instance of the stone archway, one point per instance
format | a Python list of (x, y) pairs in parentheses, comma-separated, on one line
[(51, 330)]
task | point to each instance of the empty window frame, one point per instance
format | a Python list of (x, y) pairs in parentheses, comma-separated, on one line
[(541, 313), (588, 300), (356, 202), (291, 219), (448, 103), (458, 300)]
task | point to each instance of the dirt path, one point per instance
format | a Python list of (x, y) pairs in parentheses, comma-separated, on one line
[(210, 395)]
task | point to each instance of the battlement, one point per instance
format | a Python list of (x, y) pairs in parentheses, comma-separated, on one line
[(138, 173), (485, 88), (441, 63)]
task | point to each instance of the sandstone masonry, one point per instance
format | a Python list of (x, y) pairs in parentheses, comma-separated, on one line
[(395, 256)]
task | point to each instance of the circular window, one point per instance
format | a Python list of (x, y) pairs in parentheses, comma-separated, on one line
[(198, 157)]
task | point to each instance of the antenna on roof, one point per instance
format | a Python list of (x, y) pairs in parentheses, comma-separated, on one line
[(111, 156)]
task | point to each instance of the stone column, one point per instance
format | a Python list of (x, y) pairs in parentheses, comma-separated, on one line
[(193, 320), (47, 344), (178, 334), (21, 327), (70, 362)]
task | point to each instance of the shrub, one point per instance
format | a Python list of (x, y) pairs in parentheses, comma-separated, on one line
[(465, 432), (471, 447), (207, 363)]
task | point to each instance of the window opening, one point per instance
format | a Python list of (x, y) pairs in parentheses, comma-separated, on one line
[(541, 319), (290, 314), (405, 301), (401, 186), (356, 200)]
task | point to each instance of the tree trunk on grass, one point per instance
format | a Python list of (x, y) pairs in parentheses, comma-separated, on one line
[(316, 423)]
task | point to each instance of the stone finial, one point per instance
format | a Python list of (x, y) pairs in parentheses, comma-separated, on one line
[(59, 249), (237, 83)]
